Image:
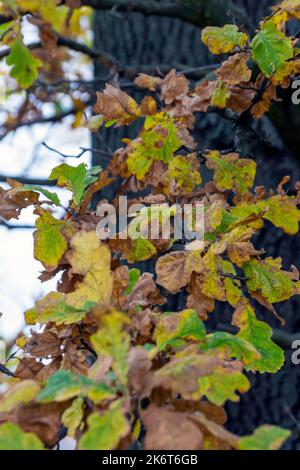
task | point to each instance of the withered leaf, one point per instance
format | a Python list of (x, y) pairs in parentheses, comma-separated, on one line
[(147, 81), (170, 430), (235, 69), (145, 293), (12, 202), (28, 368), (42, 420), (43, 345), (173, 86), (115, 104), (139, 375), (172, 272)]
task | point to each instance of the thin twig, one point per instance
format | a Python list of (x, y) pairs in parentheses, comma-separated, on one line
[(8, 226), (83, 150), (6, 371), (30, 181)]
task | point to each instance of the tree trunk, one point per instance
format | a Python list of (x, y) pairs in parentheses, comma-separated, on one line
[(135, 39)]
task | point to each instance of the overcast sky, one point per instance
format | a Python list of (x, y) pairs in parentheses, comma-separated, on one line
[(22, 154)]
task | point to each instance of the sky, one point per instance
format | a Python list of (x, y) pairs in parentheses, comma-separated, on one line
[(22, 154)]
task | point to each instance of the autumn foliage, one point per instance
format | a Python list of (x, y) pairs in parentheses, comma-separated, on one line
[(105, 363)]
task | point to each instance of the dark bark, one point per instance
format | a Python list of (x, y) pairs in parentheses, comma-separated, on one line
[(138, 39)]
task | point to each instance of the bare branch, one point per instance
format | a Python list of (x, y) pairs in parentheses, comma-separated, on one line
[(25, 180), (204, 13), (6, 371), (52, 119), (214, 12), (106, 59), (83, 150)]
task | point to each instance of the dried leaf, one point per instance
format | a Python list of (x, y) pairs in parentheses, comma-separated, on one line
[(170, 430), (235, 70), (173, 86)]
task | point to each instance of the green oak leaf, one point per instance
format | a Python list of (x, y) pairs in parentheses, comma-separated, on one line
[(105, 430), (54, 308), (13, 438), (280, 210), (50, 243), (258, 334), (265, 276), (158, 141), (73, 178), (271, 49), (222, 385), (133, 277), (234, 346), (21, 392), (174, 329), (73, 416), (220, 95), (64, 384), (264, 438), (184, 170), (142, 249), (111, 340), (53, 197), (25, 66), (5, 27)]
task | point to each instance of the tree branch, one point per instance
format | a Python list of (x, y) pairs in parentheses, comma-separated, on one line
[(106, 59), (203, 13), (83, 150), (6, 371), (52, 119), (200, 13), (30, 181)]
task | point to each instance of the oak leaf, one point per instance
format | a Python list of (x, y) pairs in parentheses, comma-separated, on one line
[(258, 334), (231, 172), (170, 430), (235, 69), (19, 393), (106, 430), (50, 242), (116, 105), (12, 202), (264, 438), (223, 40), (271, 49), (25, 66), (13, 438), (174, 329), (147, 81), (64, 385), (266, 277), (173, 86)]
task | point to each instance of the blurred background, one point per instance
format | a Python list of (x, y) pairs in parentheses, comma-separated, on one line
[(139, 40)]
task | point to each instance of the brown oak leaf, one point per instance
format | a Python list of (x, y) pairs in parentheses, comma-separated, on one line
[(170, 430)]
